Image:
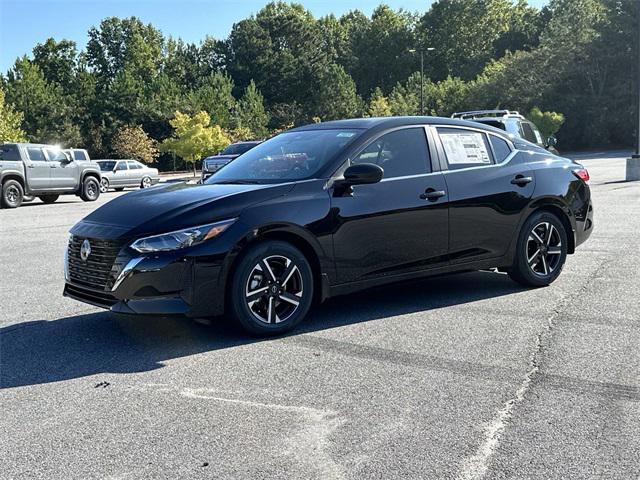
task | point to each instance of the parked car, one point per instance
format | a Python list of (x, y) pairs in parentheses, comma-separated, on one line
[(212, 164), (511, 122), (119, 174), (46, 172), (328, 209)]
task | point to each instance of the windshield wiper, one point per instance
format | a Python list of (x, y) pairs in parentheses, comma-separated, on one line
[(236, 182)]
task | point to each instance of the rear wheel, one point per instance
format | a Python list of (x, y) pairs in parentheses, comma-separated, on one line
[(272, 289), (48, 198), (146, 182), (90, 189), (541, 251), (104, 185), (12, 194)]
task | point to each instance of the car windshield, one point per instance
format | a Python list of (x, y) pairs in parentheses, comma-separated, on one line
[(107, 166), (238, 148), (296, 155)]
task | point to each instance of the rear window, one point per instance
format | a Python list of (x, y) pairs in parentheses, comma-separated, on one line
[(529, 133), (9, 152), (134, 166), (238, 148)]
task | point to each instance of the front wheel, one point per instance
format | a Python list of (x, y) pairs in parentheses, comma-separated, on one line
[(541, 251), (272, 288), (48, 198), (90, 189), (104, 185), (12, 194), (146, 182)]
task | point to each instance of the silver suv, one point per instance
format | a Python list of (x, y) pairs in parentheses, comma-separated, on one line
[(46, 172)]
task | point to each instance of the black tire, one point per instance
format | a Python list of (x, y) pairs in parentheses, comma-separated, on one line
[(104, 185), (119, 189), (541, 250), (48, 198), (12, 194), (90, 189), (146, 182), (291, 283)]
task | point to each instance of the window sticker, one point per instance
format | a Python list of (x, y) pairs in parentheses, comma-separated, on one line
[(465, 148)]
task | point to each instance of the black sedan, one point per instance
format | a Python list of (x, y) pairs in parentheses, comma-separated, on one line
[(328, 209)]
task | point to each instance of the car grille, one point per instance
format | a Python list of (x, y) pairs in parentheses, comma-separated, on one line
[(93, 297), (95, 271)]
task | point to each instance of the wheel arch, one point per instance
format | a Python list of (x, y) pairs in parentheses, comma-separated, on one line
[(561, 210), (90, 173), (292, 234), (16, 177)]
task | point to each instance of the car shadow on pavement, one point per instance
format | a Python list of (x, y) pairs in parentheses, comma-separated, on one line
[(42, 351)]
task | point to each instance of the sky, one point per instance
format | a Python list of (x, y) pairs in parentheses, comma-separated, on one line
[(24, 23)]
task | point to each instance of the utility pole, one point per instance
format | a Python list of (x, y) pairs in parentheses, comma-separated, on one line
[(413, 50), (633, 163)]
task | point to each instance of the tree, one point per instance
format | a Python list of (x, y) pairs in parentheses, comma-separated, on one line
[(336, 97), (379, 105), (214, 96), (132, 141), (10, 123), (250, 113), (57, 62), (193, 138)]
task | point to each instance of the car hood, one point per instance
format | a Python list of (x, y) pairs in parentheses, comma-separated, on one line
[(171, 207)]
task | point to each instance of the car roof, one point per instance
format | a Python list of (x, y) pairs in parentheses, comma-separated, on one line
[(383, 122)]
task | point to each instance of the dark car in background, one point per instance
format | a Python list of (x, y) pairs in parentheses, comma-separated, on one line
[(212, 164), (328, 209), (511, 122)]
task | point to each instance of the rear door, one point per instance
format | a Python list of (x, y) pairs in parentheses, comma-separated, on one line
[(37, 169), (135, 173), (489, 187), (392, 227)]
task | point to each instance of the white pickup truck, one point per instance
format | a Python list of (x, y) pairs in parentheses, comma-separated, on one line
[(46, 172)]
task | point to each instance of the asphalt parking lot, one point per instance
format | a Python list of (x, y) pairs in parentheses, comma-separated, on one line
[(466, 376)]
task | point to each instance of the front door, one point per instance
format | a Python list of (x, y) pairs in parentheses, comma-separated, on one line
[(398, 225), (120, 175), (64, 174), (37, 169)]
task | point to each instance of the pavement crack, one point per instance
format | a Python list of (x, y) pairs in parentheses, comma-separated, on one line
[(476, 466)]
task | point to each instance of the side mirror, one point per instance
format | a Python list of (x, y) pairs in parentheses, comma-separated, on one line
[(552, 141), (67, 158), (360, 174)]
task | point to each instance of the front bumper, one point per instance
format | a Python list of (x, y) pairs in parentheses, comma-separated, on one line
[(166, 283)]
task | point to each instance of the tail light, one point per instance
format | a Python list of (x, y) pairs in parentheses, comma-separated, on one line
[(582, 174)]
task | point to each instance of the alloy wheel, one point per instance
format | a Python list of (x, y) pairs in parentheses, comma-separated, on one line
[(146, 182), (12, 195), (274, 289), (104, 185), (544, 249)]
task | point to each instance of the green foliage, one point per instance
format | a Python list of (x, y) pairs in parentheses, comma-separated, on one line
[(193, 138), (10, 123), (250, 116), (547, 122), (132, 141), (336, 95), (379, 105)]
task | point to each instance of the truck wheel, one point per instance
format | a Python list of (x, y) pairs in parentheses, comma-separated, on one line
[(48, 198), (90, 189), (104, 185), (12, 194)]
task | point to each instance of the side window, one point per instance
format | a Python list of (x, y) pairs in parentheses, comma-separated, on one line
[(529, 134), (9, 153), (465, 148), (501, 149), (121, 166), (36, 154), (55, 155), (134, 165), (400, 153), (79, 155)]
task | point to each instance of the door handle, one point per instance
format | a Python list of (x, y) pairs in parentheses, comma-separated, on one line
[(31, 166), (521, 180), (432, 194), (53, 166)]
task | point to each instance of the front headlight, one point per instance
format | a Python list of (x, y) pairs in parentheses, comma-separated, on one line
[(181, 238)]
